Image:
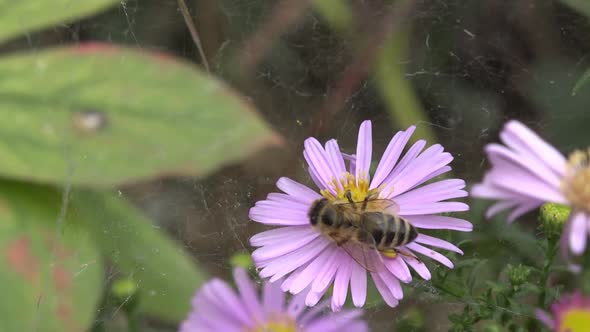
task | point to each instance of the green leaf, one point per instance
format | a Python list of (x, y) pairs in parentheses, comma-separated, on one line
[(337, 12), (50, 278), (581, 82), (565, 116), (166, 276), (398, 92), (24, 16), (104, 116), (582, 6)]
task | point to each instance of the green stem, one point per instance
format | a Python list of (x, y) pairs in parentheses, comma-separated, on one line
[(133, 320), (448, 291), (552, 246)]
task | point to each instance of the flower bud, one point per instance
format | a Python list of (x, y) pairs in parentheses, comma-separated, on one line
[(553, 217)]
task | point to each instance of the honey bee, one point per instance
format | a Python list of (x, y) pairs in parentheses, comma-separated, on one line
[(366, 229)]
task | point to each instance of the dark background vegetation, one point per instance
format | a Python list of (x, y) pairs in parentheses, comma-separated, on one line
[(458, 69)]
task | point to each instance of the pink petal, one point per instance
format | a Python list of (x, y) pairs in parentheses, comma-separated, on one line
[(363, 151), (522, 209), (430, 253), (287, 282), (296, 306), (392, 283), (358, 285), (384, 291), (436, 173), (503, 155), (272, 216), (408, 158), (347, 321), (544, 317), (312, 270), (248, 293), (273, 298), (318, 164), (271, 252), (289, 262), (391, 156), (351, 158), (340, 289), (522, 183), (578, 233), (279, 235), (440, 222), (281, 206), (297, 190), (425, 164), (313, 298), (335, 157), (224, 298), (521, 138), (564, 244), (432, 208), (435, 242), (398, 267), (434, 192), (419, 267), (312, 313), (287, 200), (328, 273), (315, 177)]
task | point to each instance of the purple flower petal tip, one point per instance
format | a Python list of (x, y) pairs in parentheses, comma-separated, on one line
[(217, 307)]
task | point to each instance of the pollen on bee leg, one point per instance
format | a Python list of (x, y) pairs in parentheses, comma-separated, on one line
[(389, 254)]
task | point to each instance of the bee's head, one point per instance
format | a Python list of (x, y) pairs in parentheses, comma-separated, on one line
[(316, 211)]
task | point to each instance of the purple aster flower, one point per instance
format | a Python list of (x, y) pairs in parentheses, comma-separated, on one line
[(528, 172), (311, 259), (571, 313), (217, 307)]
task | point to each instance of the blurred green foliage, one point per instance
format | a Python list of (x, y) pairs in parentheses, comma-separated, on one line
[(51, 277), (95, 116), (121, 116), (20, 17), (166, 276)]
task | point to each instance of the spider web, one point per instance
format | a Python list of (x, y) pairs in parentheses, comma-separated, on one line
[(473, 64)]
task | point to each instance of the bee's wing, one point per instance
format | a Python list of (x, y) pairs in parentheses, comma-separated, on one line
[(367, 257), (383, 205), (379, 205)]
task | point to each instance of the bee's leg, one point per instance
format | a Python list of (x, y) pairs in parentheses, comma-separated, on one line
[(365, 203), (407, 254), (390, 253), (348, 196)]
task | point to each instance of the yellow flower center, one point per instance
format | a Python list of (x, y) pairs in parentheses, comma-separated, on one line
[(359, 190), (575, 320), (276, 324), (576, 184)]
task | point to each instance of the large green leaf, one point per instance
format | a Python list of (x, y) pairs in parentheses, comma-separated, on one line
[(166, 276), (582, 81), (582, 6), (566, 116), (102, 115), (22, 16), (50, 277)]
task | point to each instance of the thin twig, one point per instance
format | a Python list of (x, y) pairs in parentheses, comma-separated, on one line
[(194, 34), (362, 64), (283, 15)]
